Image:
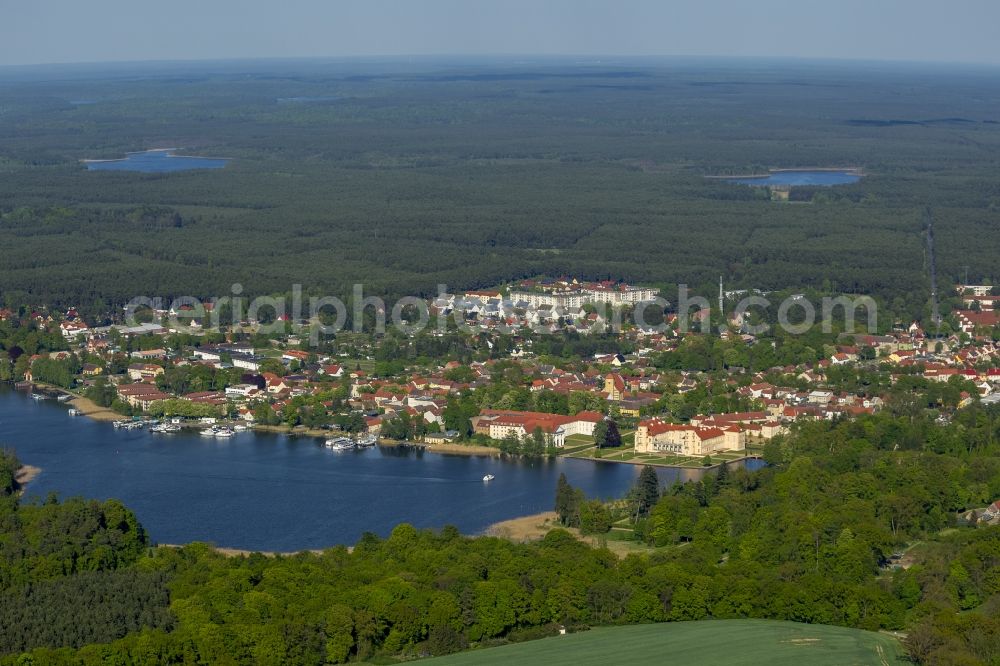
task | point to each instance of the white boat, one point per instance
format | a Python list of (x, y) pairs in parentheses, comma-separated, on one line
[(225, 432), (39, 396), (489, 477), (165, 428), (65, 397), (339, 444), (239, 427), (209, 432), (72, 411), (366, 441)]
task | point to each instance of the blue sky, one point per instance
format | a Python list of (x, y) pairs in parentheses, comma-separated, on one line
[(58, 31)]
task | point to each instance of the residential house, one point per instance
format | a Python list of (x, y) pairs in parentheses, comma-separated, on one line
[(71, 329), (247, 362), (144, 372), (91, 370), (295, 355), (275, 384), (141, 395), (150, 354)]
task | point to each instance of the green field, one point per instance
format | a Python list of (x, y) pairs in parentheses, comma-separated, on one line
[(709, 642)]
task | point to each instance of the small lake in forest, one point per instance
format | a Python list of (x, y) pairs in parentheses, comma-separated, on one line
[(306, 99), (819, 178), (161, 160)]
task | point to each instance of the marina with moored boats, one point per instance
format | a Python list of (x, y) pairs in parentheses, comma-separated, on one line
[(348, 443)]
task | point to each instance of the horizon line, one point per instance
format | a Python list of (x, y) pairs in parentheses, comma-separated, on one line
[(586, 59)]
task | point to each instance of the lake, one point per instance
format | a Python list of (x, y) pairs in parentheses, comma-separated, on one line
[(273, 492), (800, 178), (157, 161)]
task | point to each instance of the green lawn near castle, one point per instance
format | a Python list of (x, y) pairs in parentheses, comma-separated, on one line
[(709, 643)]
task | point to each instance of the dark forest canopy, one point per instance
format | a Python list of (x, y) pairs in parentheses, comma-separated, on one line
[(403, 178)]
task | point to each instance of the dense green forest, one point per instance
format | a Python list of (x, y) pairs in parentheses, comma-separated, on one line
[(402, 176), (67, 574), (807, 538)]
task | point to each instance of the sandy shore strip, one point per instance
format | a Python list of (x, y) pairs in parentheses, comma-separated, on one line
[(297, 431), (85, 406), (525, 528), (238, 552), (88, 407), (26, 474), (450, 449), (528, 529), (462, 449)]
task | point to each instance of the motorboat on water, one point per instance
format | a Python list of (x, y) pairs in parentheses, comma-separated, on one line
[(165, 428), (488, 478), (209, 432), (239, 427), (65, 397), (129, 425), (225, 432), (39, 396), (340, 444), (72, 411)]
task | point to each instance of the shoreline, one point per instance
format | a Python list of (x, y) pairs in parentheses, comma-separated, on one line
[(461, 449), (85, 406), (297, 431), (171, 151), (242, 552), (444, 448), (26, 474), (523, 528), (89, 408)]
